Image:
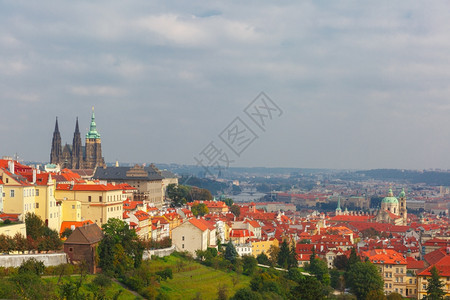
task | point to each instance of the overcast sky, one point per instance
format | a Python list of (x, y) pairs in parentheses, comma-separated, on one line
[(360, 84)]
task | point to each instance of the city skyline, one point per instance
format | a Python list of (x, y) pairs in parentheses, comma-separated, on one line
[(360, 85)]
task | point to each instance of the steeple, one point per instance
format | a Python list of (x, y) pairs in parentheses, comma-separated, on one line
[(77, 128), (56, 151), (338, 208), (93, 133), (56, 126), (77, 155)]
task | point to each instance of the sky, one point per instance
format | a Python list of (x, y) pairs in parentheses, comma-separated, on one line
[(355, 84)]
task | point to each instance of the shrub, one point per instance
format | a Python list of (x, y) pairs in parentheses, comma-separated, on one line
[(32, 266)]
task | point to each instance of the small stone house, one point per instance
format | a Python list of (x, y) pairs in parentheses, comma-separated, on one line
[(82, 244)]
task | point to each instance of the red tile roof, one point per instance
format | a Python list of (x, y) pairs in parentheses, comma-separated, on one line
[(75, 224), (202, 224), (412, 263), (384, 256), (443, 267), (88, 187)]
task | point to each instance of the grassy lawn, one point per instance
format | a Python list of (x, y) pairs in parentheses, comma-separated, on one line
[(192, 278), (111, 291)]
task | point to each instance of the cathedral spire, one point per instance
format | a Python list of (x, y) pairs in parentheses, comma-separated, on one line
[(77, 153), (56, 126), (56, 151), (77, 128), (93, 133)]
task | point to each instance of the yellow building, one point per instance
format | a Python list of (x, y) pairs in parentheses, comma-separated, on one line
[(443, 267), (19, 194), (98, 202), (260, 246), (27, 190), (71, 210), (392, 267), (46, 206)]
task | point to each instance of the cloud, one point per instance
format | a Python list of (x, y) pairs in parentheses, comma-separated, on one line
[(97, 91), (347, 73)]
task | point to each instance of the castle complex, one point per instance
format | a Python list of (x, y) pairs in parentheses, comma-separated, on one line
[(77, 156)]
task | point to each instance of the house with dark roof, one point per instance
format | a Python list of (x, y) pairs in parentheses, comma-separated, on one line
[(82, 244)]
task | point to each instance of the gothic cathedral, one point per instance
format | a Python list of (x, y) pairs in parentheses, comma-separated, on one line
[(77, 156)]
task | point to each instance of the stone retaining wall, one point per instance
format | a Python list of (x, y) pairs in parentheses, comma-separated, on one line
[(159, 252), (15, 260)]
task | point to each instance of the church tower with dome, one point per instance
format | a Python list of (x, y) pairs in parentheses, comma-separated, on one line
[(392, 210)]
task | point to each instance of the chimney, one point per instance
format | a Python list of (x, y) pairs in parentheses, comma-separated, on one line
[(11, 166), (34, 176)]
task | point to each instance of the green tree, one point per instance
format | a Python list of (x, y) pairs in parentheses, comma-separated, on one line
[(249, 264), (435, 287), (230, 252), (199, 209), (283, 255), (319, 268), (236, 210), (246, 294), (308, 288), (178, 194), (263, 259), (362, 278), (353, 258), (292, 258), (273, 254), (32, 266), (66, 233), (340, 262), (200, 194), (34, 225), (228, 201), (120, 248)]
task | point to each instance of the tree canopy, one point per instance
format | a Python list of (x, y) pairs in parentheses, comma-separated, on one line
[(363, 278), (199, 209), (435, 287), (120, 248)]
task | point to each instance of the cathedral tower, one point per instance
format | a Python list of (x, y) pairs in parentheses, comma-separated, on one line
[(56, 151), (403, 210), (93, 146)]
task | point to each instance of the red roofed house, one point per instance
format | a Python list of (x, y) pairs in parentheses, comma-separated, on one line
[(434, 244), (443, 267), (143, 224), (195, 234), (160, 228), (99, 202), (392, 266)]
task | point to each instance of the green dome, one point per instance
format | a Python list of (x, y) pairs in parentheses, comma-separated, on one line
[(402, 193), (390, 198)]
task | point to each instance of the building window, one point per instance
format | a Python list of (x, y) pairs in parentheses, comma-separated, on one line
[(73, 206), (100, 198), (37, 192), (70, 249), (182, 246), (12, 193), (182, 238), (89, 198), (37, 205)]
